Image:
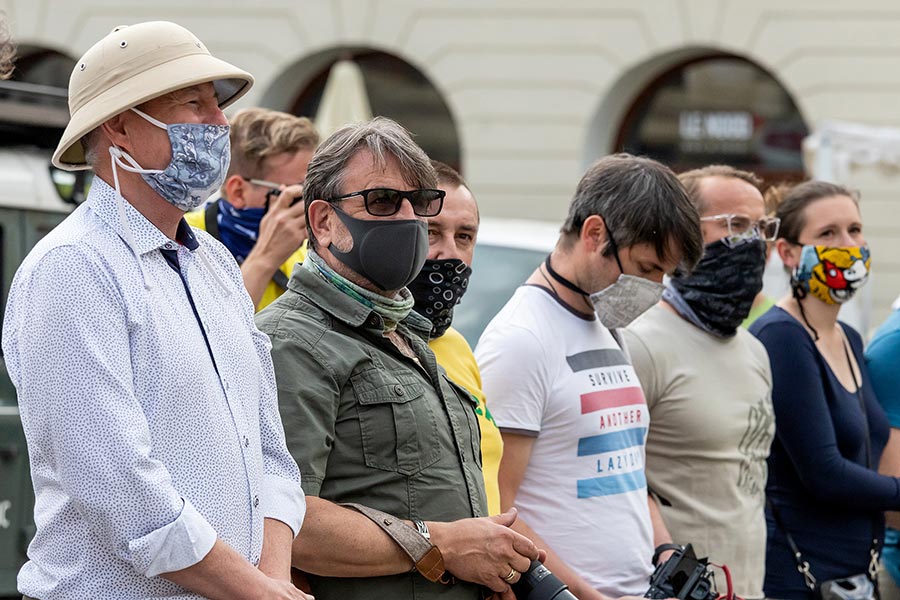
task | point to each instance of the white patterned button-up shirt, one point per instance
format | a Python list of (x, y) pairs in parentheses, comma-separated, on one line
[(143, 448)]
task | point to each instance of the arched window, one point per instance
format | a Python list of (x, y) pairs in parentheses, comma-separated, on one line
[(397, 90), (717, 109)]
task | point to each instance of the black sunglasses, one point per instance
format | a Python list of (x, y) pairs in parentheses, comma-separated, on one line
[(384, 202)]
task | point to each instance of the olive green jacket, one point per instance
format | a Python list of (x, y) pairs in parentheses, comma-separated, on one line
[(368, 425)]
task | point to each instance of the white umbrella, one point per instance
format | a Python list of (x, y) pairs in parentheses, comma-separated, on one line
[(344, 99)]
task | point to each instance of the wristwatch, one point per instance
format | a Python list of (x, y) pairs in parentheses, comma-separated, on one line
[(422, 528)]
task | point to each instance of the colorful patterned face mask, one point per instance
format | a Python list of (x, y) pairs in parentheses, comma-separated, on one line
[(831, 274), (201, 154)]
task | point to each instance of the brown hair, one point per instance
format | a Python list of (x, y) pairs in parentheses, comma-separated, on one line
[(691, 180), (259, 133), (789, 203), (448, 175), (641, 201)]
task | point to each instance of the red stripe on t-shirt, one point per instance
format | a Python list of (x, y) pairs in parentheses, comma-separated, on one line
[(604, 399)]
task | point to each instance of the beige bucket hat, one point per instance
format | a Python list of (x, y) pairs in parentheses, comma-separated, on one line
[(132, 65)]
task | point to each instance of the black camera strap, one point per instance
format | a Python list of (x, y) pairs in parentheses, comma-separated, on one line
[(802, 565)]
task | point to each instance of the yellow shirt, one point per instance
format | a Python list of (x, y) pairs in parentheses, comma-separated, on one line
[(197, 218), (454, 354)]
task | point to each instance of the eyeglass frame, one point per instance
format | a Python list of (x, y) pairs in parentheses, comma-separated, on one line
[(755, 225), (274, 188), (404, 195)]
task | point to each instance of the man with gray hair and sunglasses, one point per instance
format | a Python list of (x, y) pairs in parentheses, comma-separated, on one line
[(388, 445), (708, 385), (147, 394)]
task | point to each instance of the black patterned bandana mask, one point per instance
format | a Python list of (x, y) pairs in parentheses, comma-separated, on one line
[(719, 292), (437, 289)]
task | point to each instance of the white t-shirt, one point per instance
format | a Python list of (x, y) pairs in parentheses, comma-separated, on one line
[(713, 424), (553, 374)]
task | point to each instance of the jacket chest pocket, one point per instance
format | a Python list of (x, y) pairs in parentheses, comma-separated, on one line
[(470, 408), (396, 421)]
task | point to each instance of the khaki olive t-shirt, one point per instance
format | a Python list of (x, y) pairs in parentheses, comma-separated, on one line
[(711, 426)]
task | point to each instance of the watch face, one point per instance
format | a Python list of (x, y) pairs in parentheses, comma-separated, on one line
[(423, 529)]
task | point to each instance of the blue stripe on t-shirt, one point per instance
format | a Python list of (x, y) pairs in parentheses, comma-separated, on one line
[(611, 484), (610, 442)]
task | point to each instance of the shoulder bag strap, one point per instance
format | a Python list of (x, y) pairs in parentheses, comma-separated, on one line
[(873, 550), (802, 565)]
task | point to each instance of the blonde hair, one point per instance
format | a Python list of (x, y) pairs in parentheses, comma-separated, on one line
[(259, 133)]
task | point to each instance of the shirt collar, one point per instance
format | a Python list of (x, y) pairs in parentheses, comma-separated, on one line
[(346, 309), (102, 200)]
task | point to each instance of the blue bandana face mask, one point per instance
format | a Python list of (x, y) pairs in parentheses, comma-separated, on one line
[(201, 154)]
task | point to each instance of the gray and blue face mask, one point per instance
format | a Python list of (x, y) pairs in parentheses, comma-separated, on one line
[(201, 154)]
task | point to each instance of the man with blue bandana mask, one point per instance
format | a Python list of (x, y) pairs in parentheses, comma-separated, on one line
[(708, 384), (147, 394), (258, 214)]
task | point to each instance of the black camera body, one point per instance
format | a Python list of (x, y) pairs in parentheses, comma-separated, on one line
[(683, 576)]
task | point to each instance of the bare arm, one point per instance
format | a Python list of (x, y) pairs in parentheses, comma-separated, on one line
[(340, 542), (225, 574), (660, 531), (516, 453), (275, 560), (281, 232), (890, 465)]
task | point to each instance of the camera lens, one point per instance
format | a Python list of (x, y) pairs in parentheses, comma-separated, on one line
[(538, 583)]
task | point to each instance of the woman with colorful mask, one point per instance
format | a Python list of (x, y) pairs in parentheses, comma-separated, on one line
[(825, 496)]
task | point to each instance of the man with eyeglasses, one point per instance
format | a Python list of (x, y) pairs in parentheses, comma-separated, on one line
[(708, 384), (369, 416), (258, 215)]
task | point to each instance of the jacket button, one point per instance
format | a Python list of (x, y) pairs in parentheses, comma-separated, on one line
[(398, 389)]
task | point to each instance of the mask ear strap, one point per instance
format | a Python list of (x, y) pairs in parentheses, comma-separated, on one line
[(799, 293), (127, 162), (147, 117)]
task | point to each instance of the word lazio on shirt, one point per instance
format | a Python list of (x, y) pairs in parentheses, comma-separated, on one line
[(613, 427)]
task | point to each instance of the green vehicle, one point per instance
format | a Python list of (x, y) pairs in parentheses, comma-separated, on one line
[(34, 198)]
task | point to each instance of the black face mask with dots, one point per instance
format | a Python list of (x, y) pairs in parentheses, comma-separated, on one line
[(438, 288)]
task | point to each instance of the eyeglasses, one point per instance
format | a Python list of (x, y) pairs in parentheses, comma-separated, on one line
[(740, 226), (384, 202), (274, 188)]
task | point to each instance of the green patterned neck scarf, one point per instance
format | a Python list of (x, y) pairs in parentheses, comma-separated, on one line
[(391, 310)]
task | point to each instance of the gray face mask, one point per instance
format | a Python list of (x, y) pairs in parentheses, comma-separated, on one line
[(619, 304), (388, 253)]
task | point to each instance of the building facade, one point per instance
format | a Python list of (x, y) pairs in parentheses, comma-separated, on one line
[(523, 94)]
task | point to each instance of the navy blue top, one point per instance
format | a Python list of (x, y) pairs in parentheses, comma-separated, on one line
[(818, 479)]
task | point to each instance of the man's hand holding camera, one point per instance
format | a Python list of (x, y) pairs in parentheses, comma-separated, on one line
[(485, 551), (281, 232)]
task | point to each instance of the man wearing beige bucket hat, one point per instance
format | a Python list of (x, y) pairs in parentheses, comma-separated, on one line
[(147, 394)]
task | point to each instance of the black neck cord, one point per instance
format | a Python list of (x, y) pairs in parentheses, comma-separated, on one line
[(799, 294), (562, 280)]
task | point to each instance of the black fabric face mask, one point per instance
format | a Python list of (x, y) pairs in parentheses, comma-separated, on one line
[(437, 288), (721, 288), (388, 253)]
